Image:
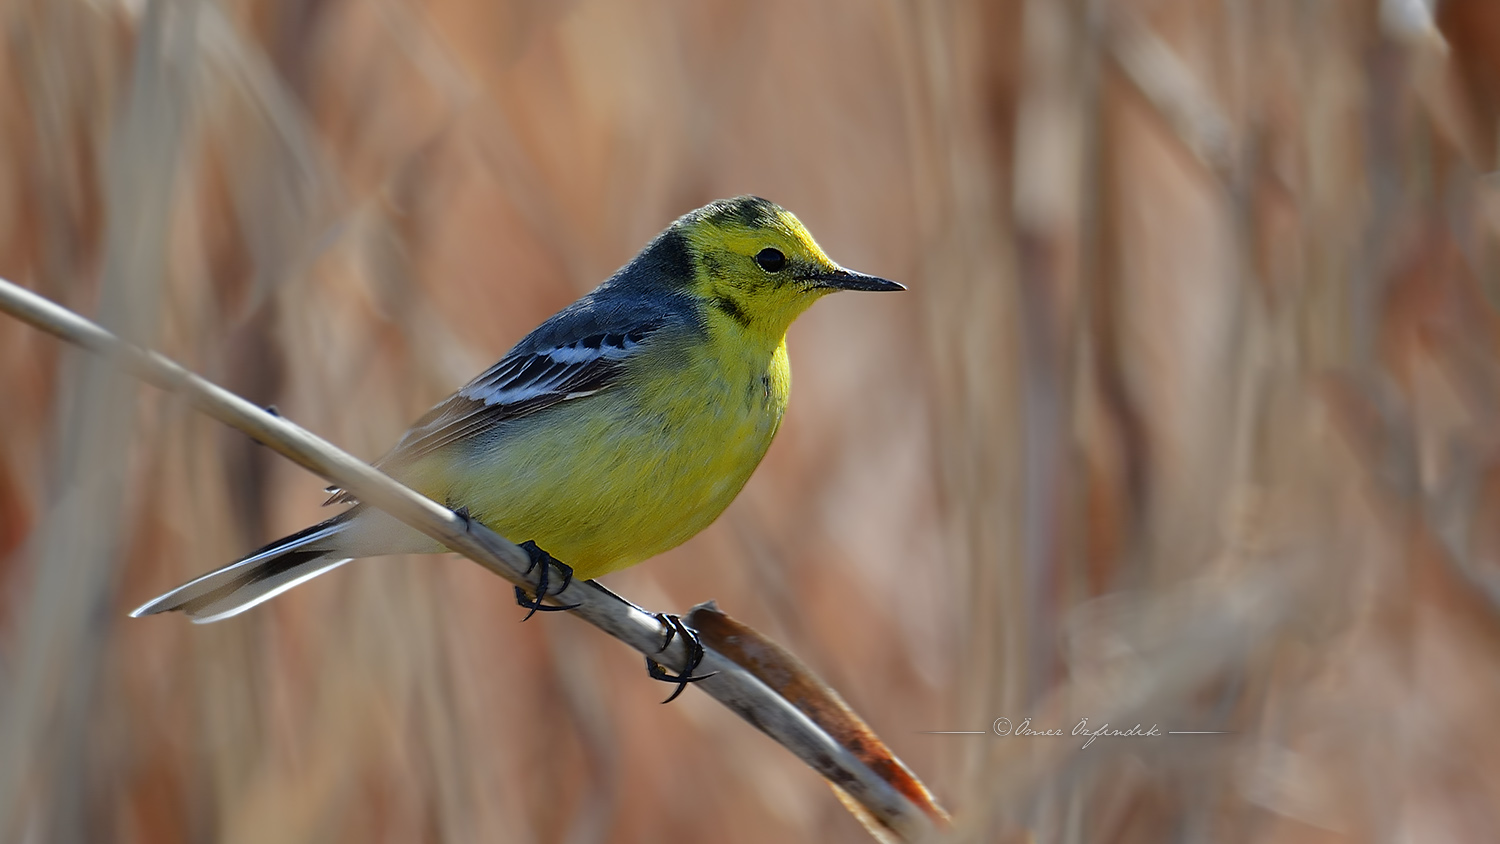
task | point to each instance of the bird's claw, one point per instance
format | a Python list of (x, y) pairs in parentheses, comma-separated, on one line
[(547, 562), (694, 648)]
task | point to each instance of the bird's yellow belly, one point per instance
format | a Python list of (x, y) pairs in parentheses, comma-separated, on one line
[(644, 469)]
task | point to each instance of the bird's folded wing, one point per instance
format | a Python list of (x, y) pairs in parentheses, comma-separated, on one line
[(523, 382)]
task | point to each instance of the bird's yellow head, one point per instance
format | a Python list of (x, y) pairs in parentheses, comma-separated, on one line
[(757, 266)]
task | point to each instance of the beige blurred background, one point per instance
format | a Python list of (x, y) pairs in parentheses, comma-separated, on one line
[(1187, 419)]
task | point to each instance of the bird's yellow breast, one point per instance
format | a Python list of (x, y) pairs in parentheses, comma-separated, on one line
[(608, 480)]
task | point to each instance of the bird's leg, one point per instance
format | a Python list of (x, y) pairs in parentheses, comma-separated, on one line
[(541, 558), (674, 627)]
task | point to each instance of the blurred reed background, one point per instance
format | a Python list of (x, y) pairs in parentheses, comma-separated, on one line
[(1187, 418)]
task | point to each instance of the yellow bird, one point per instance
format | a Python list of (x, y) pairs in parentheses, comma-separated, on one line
[(616, 430)]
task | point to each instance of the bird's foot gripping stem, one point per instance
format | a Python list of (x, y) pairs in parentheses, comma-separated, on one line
[(694, 647), (541, 558)]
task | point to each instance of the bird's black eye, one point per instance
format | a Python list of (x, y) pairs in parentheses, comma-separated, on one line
[(770, 260)]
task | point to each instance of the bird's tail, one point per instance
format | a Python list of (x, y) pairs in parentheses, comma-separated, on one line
[(258, 577)]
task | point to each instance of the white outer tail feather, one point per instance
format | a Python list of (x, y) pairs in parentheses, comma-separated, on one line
[(253, 595), (254, 590)]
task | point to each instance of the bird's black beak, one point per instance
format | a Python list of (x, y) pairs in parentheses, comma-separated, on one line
[(842, 279)]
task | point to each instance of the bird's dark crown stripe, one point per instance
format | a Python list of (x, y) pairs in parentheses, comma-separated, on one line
[(749, 211)]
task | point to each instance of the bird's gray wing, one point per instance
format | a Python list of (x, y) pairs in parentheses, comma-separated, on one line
[(576, 353)]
